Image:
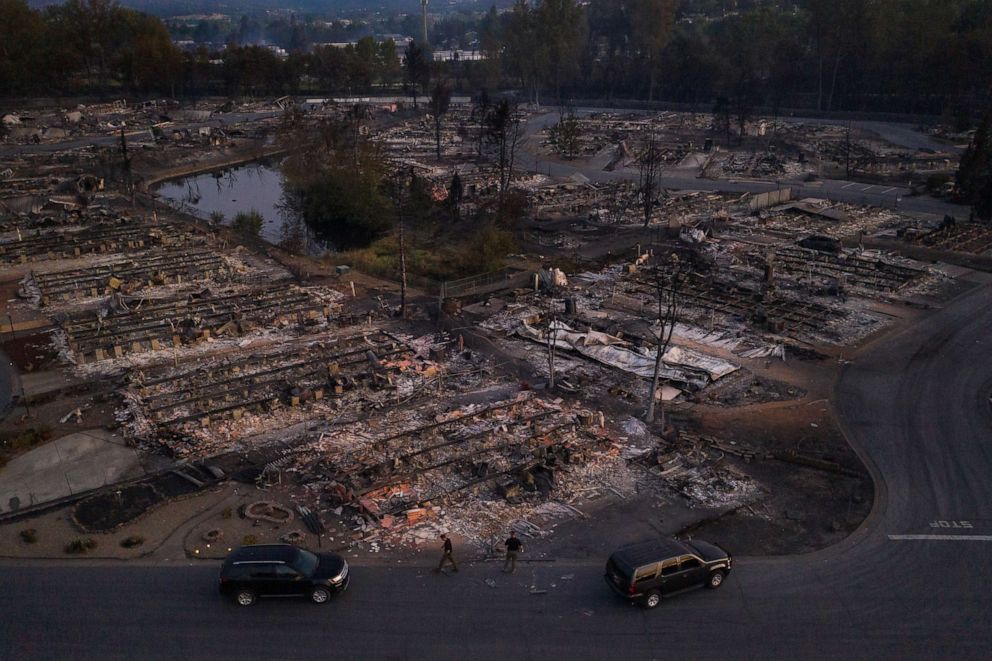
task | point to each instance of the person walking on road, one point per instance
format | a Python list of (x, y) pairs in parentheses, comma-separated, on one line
[(513, 548), (446, 555)]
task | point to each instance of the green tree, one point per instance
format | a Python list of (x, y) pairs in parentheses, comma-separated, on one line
[(974, 176), (562, 30), (564, 135), (337, 184), (524, 53), (653, 23), (21, 39), (416, 69)]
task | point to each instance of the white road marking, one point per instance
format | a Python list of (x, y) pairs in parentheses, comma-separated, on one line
[(888, 190), (847, 186), (943, 538), (866, 189)]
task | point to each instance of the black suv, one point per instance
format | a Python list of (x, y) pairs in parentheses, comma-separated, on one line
[(282, 570), (647, 571)]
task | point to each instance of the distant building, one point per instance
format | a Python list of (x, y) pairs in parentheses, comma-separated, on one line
[(458, 55)]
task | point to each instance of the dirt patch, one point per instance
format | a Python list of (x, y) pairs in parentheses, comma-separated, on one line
[(807, 510), (30, 353), (748, 388), (108, 511), (45, 413)]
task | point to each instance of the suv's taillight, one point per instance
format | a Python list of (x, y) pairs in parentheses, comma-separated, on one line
[(633, 587)]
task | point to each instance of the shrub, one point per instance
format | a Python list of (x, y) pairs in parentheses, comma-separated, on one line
[(30, 536), (80, 546), (132, 541), (217, 217), (248, 223), (936, 181), (248, 540)]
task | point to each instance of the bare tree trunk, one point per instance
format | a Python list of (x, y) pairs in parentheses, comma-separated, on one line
[(649, 169), (437, 136), (552, 336), (667, 313), (126, 165), (833, 82), (402, 270), (819, 93)]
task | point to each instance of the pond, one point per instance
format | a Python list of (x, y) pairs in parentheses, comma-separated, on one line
[(257, 186)]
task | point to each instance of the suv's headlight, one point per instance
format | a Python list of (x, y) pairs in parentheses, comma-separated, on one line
[(343, 575)]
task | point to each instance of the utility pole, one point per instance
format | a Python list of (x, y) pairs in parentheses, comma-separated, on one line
[(552, 340), (423, 8), (847, 151)]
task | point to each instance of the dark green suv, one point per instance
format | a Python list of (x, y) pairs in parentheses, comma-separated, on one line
[(647, 571), (282, 570)]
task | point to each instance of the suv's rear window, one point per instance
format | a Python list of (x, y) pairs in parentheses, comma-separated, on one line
[(616, 570)]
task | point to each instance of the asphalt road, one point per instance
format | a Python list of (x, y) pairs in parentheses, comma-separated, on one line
[(914, 582), (838, 190)]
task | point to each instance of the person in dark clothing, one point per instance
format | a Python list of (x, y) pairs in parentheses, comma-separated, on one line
[(513, 548), (446, 554)]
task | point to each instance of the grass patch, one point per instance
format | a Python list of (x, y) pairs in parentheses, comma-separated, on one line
[(480, 252)]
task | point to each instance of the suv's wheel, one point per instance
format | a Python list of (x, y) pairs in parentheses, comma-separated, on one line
[(320, 595), (652, 599), (716, 579), (244, 597)]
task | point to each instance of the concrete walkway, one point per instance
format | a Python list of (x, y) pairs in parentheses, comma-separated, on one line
[(10, 384), (39, 383), (70, 465)]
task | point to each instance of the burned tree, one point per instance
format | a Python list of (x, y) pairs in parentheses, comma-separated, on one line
[(503, 135), (358, 115), (480, 113), (564, 135), (456, 191), (667, 285), (649, 175), (126, 167), (552, 339), (439, 103), (402, 192)]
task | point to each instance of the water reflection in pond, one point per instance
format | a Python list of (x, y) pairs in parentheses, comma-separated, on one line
[(258, 186)]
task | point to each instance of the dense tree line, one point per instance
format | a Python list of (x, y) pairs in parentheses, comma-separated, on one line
[(917, 56), (94, 46), (924, 56)]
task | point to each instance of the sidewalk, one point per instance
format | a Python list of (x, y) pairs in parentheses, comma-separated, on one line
[(72, 464)]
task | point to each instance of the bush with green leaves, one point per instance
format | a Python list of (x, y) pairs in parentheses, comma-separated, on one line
[(248, 223)]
